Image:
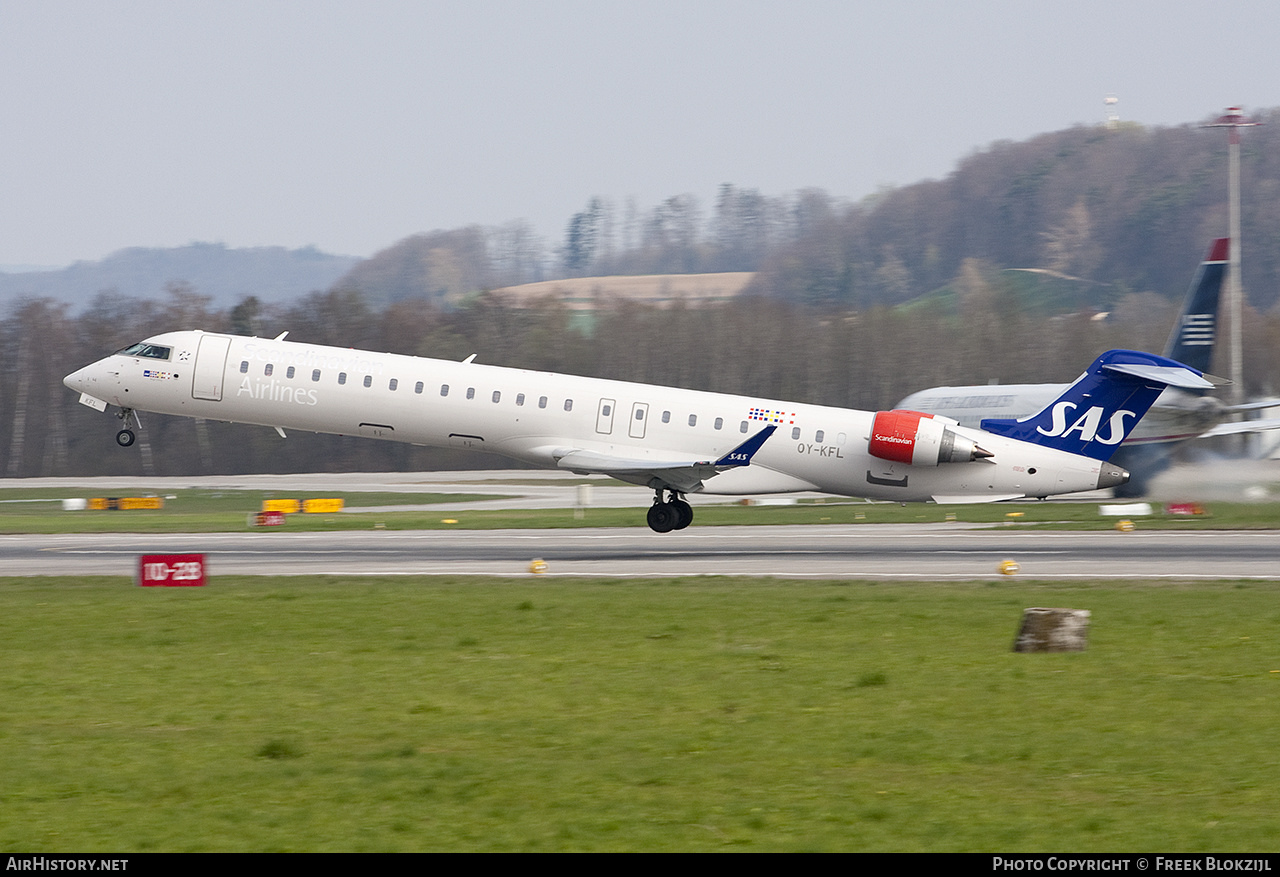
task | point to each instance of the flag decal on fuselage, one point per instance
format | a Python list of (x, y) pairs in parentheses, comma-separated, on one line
[(770, 416)]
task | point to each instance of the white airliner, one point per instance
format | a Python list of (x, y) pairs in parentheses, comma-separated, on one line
[(672, 441)]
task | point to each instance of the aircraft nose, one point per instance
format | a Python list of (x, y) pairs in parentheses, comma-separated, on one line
[(1112, 476), (87, 379), (75, 380)]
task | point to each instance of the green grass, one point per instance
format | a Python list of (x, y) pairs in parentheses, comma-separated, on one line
[(699, 714), (32, 510)]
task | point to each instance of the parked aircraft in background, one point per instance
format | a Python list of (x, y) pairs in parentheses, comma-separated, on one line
[(1178, 415), (673, 441)]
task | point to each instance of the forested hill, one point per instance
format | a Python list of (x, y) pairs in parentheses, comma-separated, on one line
[(1129, 207)]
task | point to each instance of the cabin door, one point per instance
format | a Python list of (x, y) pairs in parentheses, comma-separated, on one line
[(211, 367), (639, 418), (604, 416)]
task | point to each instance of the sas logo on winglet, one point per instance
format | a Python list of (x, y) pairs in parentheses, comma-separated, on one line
[(1087, 424)]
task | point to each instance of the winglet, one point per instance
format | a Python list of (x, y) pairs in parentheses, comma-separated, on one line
[(742, 454)]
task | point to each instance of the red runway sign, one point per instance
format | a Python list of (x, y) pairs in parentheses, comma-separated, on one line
[(171, 570)]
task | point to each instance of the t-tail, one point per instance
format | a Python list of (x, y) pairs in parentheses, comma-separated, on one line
[(1191, 342), (1099, 410)]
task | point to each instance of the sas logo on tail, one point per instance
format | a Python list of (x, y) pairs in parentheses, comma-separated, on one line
[(1087, 424)]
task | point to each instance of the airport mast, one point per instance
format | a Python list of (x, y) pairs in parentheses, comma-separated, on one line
[(1233, 121)]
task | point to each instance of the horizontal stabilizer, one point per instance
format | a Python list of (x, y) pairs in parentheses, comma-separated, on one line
[(1173, 376)]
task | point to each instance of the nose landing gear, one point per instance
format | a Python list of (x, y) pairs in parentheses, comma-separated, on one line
[(125, 437)]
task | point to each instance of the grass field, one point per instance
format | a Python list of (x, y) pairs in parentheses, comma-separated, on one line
[(699, 714)]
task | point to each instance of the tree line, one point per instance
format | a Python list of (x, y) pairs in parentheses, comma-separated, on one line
[(761, 346)]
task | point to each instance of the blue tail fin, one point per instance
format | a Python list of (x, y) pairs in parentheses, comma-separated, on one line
[(1104, 404), (1193, 336)]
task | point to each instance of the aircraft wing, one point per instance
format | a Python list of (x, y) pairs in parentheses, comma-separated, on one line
[(1254, 406), (1242, 426), (685, 476)]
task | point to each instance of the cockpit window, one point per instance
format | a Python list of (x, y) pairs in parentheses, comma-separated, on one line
[(150, 351)]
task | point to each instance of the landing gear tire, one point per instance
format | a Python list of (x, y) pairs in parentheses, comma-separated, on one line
[(125, 438), (662, 517), (674, 514), (684, 513)]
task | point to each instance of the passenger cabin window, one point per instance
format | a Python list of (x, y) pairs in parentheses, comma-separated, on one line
[(742, 427), (268, 369), (693, 420), (244, 367), (290, 372), (568, 404), (342, 377), (315, 374), (417, 388), (542, 401), (519, 400), (606, 410), (392, 384), (444, 389), (666, 417), (817, 436), (368, 380), (497, 396), (471, 392), (150, 351), (719, 422)]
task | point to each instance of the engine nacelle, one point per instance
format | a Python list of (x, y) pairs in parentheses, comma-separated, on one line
[(920, 440)]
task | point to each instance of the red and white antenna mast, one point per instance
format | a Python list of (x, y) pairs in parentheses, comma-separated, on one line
[(1233, 121)]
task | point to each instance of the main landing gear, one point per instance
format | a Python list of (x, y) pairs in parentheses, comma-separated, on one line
[(126, 437), (674, 514)]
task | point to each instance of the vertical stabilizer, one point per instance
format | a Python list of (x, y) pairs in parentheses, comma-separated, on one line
[(1095, 414), (1191, 342)]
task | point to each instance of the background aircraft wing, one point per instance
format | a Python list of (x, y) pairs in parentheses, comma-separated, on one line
[(1242, 426)]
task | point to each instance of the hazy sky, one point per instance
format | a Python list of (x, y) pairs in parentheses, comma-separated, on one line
[(350, 125)]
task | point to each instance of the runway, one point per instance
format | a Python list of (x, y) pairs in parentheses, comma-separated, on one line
[(938, 552), (912, 552)]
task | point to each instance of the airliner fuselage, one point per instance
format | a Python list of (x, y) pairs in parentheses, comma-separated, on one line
[(677, 440)]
